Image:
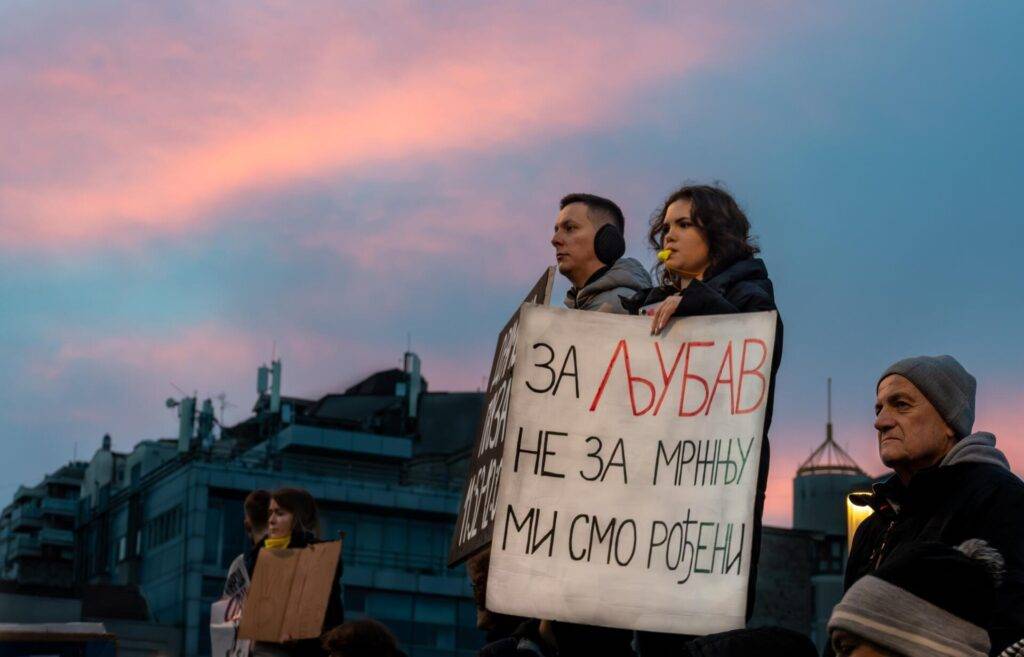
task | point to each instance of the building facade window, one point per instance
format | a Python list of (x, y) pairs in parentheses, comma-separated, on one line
[(163, 528)]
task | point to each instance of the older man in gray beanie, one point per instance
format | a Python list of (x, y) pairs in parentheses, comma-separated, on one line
[(949, 485)]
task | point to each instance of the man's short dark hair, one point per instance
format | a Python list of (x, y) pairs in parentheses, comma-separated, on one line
[(257, 510), (604, 209)]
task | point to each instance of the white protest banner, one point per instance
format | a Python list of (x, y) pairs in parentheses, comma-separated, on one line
[(630, 470)]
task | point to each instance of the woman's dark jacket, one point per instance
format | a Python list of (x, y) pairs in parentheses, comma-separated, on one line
[(335, 614), (742, 286), (970, 495)]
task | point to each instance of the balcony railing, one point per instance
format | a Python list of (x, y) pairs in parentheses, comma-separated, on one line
[(58, 506), (24, 545), (25, 491), (26, 516), (50, 536)]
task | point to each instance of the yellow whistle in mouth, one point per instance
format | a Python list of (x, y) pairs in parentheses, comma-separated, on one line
[(664, 254)]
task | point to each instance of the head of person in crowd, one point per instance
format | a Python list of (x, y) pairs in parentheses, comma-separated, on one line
[(496, 625), (760, 641), (923, 406), (588, 236), (257, 513), (293, 510), (702, 228), (361, 638), (927, 599)]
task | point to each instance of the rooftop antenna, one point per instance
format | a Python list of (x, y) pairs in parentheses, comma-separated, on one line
[(222, 401), (828, 426), (829, 457)]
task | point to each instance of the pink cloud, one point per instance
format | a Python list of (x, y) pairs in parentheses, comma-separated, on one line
[(129, 376), (148, 128), (1001, 411)]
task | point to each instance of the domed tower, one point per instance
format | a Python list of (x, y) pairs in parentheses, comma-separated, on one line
[(822, 483)]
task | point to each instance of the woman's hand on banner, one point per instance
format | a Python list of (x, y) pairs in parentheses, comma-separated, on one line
[(663, 312)]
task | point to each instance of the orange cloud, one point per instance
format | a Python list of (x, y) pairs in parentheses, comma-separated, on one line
[(151, 131)]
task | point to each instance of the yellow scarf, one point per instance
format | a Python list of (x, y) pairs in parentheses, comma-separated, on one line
[(278, 543)]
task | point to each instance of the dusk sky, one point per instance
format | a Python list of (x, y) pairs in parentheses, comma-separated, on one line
[(184, 186)]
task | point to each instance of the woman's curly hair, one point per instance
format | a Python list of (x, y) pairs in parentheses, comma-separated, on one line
[(715, 212)]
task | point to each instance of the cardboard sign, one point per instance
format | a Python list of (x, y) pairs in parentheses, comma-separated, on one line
[(288, 597), (475, 522), (630, 470)]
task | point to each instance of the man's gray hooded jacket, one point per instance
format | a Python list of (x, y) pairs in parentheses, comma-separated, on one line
[(623, 279)]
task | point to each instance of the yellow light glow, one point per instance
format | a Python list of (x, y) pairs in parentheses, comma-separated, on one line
[(854, 516)]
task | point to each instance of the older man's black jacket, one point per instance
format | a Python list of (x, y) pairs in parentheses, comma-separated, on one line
[(971, 494)]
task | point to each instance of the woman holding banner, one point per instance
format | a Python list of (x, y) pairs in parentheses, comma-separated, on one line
[(706, 257), (294, 522)]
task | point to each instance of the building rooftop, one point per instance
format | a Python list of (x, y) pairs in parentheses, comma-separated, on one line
[(829, 458)]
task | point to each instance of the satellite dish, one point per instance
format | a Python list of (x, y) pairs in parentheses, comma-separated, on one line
[(171, 402)]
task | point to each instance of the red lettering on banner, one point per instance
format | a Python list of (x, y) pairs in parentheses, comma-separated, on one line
[(756, 371), (666, 377), (630, 381), (726, 357), (686, 378)]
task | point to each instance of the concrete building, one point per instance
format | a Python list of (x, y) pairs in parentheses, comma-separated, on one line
[(37, 530), (385, 461)]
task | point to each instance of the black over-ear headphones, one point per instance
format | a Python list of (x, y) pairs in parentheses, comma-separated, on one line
[(609, 244)]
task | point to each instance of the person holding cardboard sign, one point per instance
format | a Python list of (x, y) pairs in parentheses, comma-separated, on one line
[(706, 257), (294, 523)]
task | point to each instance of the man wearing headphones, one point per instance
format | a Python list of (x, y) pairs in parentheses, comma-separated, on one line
[(589, 244)]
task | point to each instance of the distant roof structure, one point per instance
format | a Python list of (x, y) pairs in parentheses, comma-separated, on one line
[(381, 383), (829, 457)]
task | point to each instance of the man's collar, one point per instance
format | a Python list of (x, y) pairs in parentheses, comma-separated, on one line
[(893, 492), (597, 274)]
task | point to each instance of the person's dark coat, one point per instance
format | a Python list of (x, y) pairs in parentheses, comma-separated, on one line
[(525, 641), (741, 286), (971, 494), (334, 616)]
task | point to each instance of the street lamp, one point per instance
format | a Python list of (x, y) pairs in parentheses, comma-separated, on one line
[(855, 514)]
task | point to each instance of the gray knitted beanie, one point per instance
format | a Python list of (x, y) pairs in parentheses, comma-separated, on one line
[(945, 383)]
